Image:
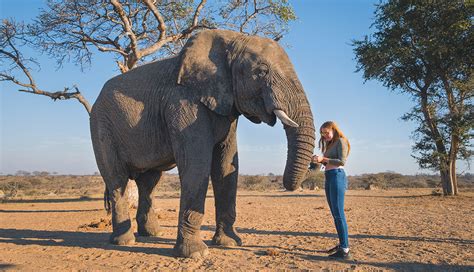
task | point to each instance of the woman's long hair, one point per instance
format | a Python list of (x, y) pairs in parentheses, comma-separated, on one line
[(323, 145)]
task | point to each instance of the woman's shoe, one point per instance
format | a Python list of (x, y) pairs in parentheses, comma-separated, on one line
[(340, 254), (333, 250)]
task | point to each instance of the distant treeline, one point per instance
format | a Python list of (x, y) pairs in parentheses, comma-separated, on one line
[(44, 183), (388, 180), (384, 180)]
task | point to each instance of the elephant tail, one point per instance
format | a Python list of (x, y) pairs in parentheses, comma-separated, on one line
[(107, 203)]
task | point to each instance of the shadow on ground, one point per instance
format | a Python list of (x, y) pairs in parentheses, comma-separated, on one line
[(100, 241), (353, 236), (79, 239), (397, 266), (6, 266), (49, 211), (52, 200)]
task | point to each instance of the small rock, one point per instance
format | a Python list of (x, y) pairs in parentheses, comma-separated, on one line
[(272, 252), (101, 225)]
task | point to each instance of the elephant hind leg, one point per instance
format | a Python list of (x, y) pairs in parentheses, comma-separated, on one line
[(147, 219), (122, 233), (115, 176)]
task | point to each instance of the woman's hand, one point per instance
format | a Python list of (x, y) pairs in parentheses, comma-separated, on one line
[(317, 159)]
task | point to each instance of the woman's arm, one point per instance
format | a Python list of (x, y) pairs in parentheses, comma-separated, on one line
[(340, 160)]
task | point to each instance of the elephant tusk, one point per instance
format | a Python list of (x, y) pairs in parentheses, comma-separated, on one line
[(285, 119)]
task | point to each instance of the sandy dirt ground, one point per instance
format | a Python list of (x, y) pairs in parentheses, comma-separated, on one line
[(394, 230)]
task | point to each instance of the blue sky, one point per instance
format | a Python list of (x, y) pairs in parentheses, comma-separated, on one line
[(39, 134)]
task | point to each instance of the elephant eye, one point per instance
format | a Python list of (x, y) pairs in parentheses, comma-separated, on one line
[(262, 71)]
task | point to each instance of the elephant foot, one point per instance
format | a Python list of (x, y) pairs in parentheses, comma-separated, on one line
[(150, 230), (228, 238), (191, 248), (125, 239)]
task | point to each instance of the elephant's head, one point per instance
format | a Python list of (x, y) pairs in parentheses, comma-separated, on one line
[(255, 77)]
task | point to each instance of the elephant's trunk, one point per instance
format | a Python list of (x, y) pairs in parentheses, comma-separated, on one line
[(288, 102), (300, 139), (300, 146)]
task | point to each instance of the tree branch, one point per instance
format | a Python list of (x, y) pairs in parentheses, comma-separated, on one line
[(86, 38), (62, 95), (155, 47), (431, 122), (18, 62), (407, 85), (158, 17), (253, 15), (16, 58), (197, 12), (133, 58)]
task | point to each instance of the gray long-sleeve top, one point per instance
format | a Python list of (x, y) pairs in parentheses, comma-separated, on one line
[(337, 153)]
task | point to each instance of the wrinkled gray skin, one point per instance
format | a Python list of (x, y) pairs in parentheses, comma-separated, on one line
[(183, 111)]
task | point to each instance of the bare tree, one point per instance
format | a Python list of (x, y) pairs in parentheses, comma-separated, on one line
[(13, 35), (133, 32)]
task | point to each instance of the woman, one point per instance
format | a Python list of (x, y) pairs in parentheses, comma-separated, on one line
[(335, 148)]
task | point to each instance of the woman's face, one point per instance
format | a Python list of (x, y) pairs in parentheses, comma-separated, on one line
[(327, 134)]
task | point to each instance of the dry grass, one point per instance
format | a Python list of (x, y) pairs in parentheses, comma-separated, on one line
[(90, 186)]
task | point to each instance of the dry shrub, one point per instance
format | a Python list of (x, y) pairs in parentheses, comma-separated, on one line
[(169, 182), (69, 185), (387, 180), (382, 180), (254, 182), (259, 183), (44, 185), (314, 179)]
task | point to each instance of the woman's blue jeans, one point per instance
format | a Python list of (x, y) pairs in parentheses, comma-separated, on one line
[(335, 186)]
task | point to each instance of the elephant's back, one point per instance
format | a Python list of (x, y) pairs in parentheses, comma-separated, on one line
[(137, 90), (129, 109)]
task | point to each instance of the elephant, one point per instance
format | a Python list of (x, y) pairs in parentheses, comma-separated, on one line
[(182, 112)]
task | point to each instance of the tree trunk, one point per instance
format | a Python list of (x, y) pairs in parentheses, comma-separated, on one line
[(447, 165), (454, 178), (446, 178), (455, 134)]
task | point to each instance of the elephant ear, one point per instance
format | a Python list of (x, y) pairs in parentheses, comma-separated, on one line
[(205, 68)]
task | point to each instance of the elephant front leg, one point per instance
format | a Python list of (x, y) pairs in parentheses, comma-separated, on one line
[(224, 176), (147, 219), (193, 194), (194, 165), (122, 226)]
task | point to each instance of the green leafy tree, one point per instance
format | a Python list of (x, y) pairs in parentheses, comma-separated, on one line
[(426, 49)]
